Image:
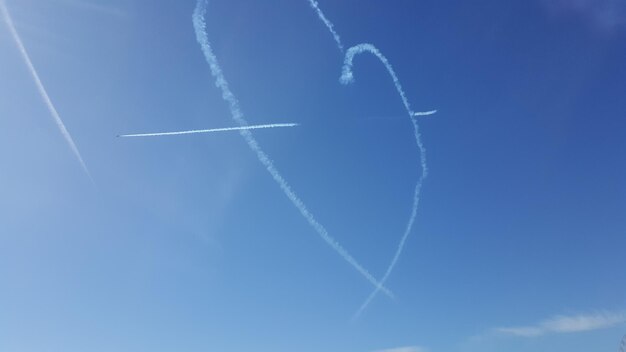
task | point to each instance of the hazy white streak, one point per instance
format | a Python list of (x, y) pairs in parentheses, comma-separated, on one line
[(229, 97), (347, 76), (40, 87), (328, 24), (404, 349), (225, 129)]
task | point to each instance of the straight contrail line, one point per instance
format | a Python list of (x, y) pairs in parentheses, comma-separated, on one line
[(40, 87), (348, 77), (225, 129), (237, 115), (329, 25)]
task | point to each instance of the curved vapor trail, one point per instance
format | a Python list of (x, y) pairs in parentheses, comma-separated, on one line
[(329, 25), (237, 115), (348, 77), (225, 129), (42, 91), (622, 345)]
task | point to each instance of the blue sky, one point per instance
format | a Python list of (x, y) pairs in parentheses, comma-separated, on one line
[(187, 243)]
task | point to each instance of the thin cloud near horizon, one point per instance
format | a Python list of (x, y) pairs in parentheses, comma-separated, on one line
[(566, 324), (404, 349)]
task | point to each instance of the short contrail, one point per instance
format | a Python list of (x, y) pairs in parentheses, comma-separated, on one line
[(237, 115), (425, 113), (348, 77), (40, 87), (328, 24), (622, 345), (225, 129)]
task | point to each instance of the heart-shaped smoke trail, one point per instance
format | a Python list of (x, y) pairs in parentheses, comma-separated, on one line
[(42, 90), (347, 77), (199, 24)]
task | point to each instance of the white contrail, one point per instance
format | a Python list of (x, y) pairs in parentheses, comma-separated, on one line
[(40, 87), (425, 113), (348, 77), (225, 129), (237, 115), (328, 24)]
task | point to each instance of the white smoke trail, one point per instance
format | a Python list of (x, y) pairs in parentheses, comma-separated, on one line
[(42, 91), (254, 127), (622, 345), (328, 24), (348, 77), (220, 81)]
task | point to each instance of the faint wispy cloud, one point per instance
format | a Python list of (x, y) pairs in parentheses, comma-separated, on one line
[(95, 7), (606, 15), (566, 324), (405, 349)]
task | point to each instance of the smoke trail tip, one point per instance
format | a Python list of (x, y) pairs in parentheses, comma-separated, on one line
[(346, 77)]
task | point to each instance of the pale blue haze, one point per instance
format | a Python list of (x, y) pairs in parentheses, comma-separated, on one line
[(186, 243)]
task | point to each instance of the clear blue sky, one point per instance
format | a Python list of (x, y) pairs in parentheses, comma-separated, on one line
[(185, 243)]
